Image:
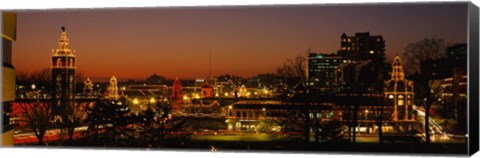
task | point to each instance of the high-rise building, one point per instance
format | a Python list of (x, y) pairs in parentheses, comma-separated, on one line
[(454, 91), (9, 24), (348, 76), (458, 53), (63, 77), (321, 70), (366, 48), (362, 46)]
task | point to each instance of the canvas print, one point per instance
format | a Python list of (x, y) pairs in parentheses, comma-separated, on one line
[(300, 78)]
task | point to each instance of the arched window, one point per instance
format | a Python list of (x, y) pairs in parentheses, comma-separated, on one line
[(71, 63), (59, 86), (59, 62)]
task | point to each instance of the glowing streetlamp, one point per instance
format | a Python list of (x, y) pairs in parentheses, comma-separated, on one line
[(33, 86), (152, 100)]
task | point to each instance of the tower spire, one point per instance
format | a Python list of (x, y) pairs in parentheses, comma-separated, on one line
[(397, 69), (63, 43)]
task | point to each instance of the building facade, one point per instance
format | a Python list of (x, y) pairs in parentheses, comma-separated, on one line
[(88, 87), (63, 76), (362, 46), (9, 24), (113, 89), (322, 70), (399, 93)]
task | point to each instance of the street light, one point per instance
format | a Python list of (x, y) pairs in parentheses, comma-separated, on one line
[(33, 86)]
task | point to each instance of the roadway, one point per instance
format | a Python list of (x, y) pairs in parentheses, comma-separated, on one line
[(438, 134)]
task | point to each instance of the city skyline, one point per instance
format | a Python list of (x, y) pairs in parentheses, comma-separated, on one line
[(360, 78), (142, 43)]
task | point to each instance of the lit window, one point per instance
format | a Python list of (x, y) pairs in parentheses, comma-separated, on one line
[(371, 51), (390, 96)]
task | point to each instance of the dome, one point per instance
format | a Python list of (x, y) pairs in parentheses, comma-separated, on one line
[(206, 85)]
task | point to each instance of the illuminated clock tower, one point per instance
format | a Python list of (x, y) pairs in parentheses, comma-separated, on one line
[(63, 77)]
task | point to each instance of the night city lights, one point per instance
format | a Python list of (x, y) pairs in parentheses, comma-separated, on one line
[(363, 78)]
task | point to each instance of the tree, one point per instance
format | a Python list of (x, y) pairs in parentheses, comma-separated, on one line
[(422, 51), (41, 78), (75, 118), (377, 113), (235, 79), (332, 131), (420, 56), (293, 70), (108, 121), (146, 120), (268, 80), (37, 117)]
